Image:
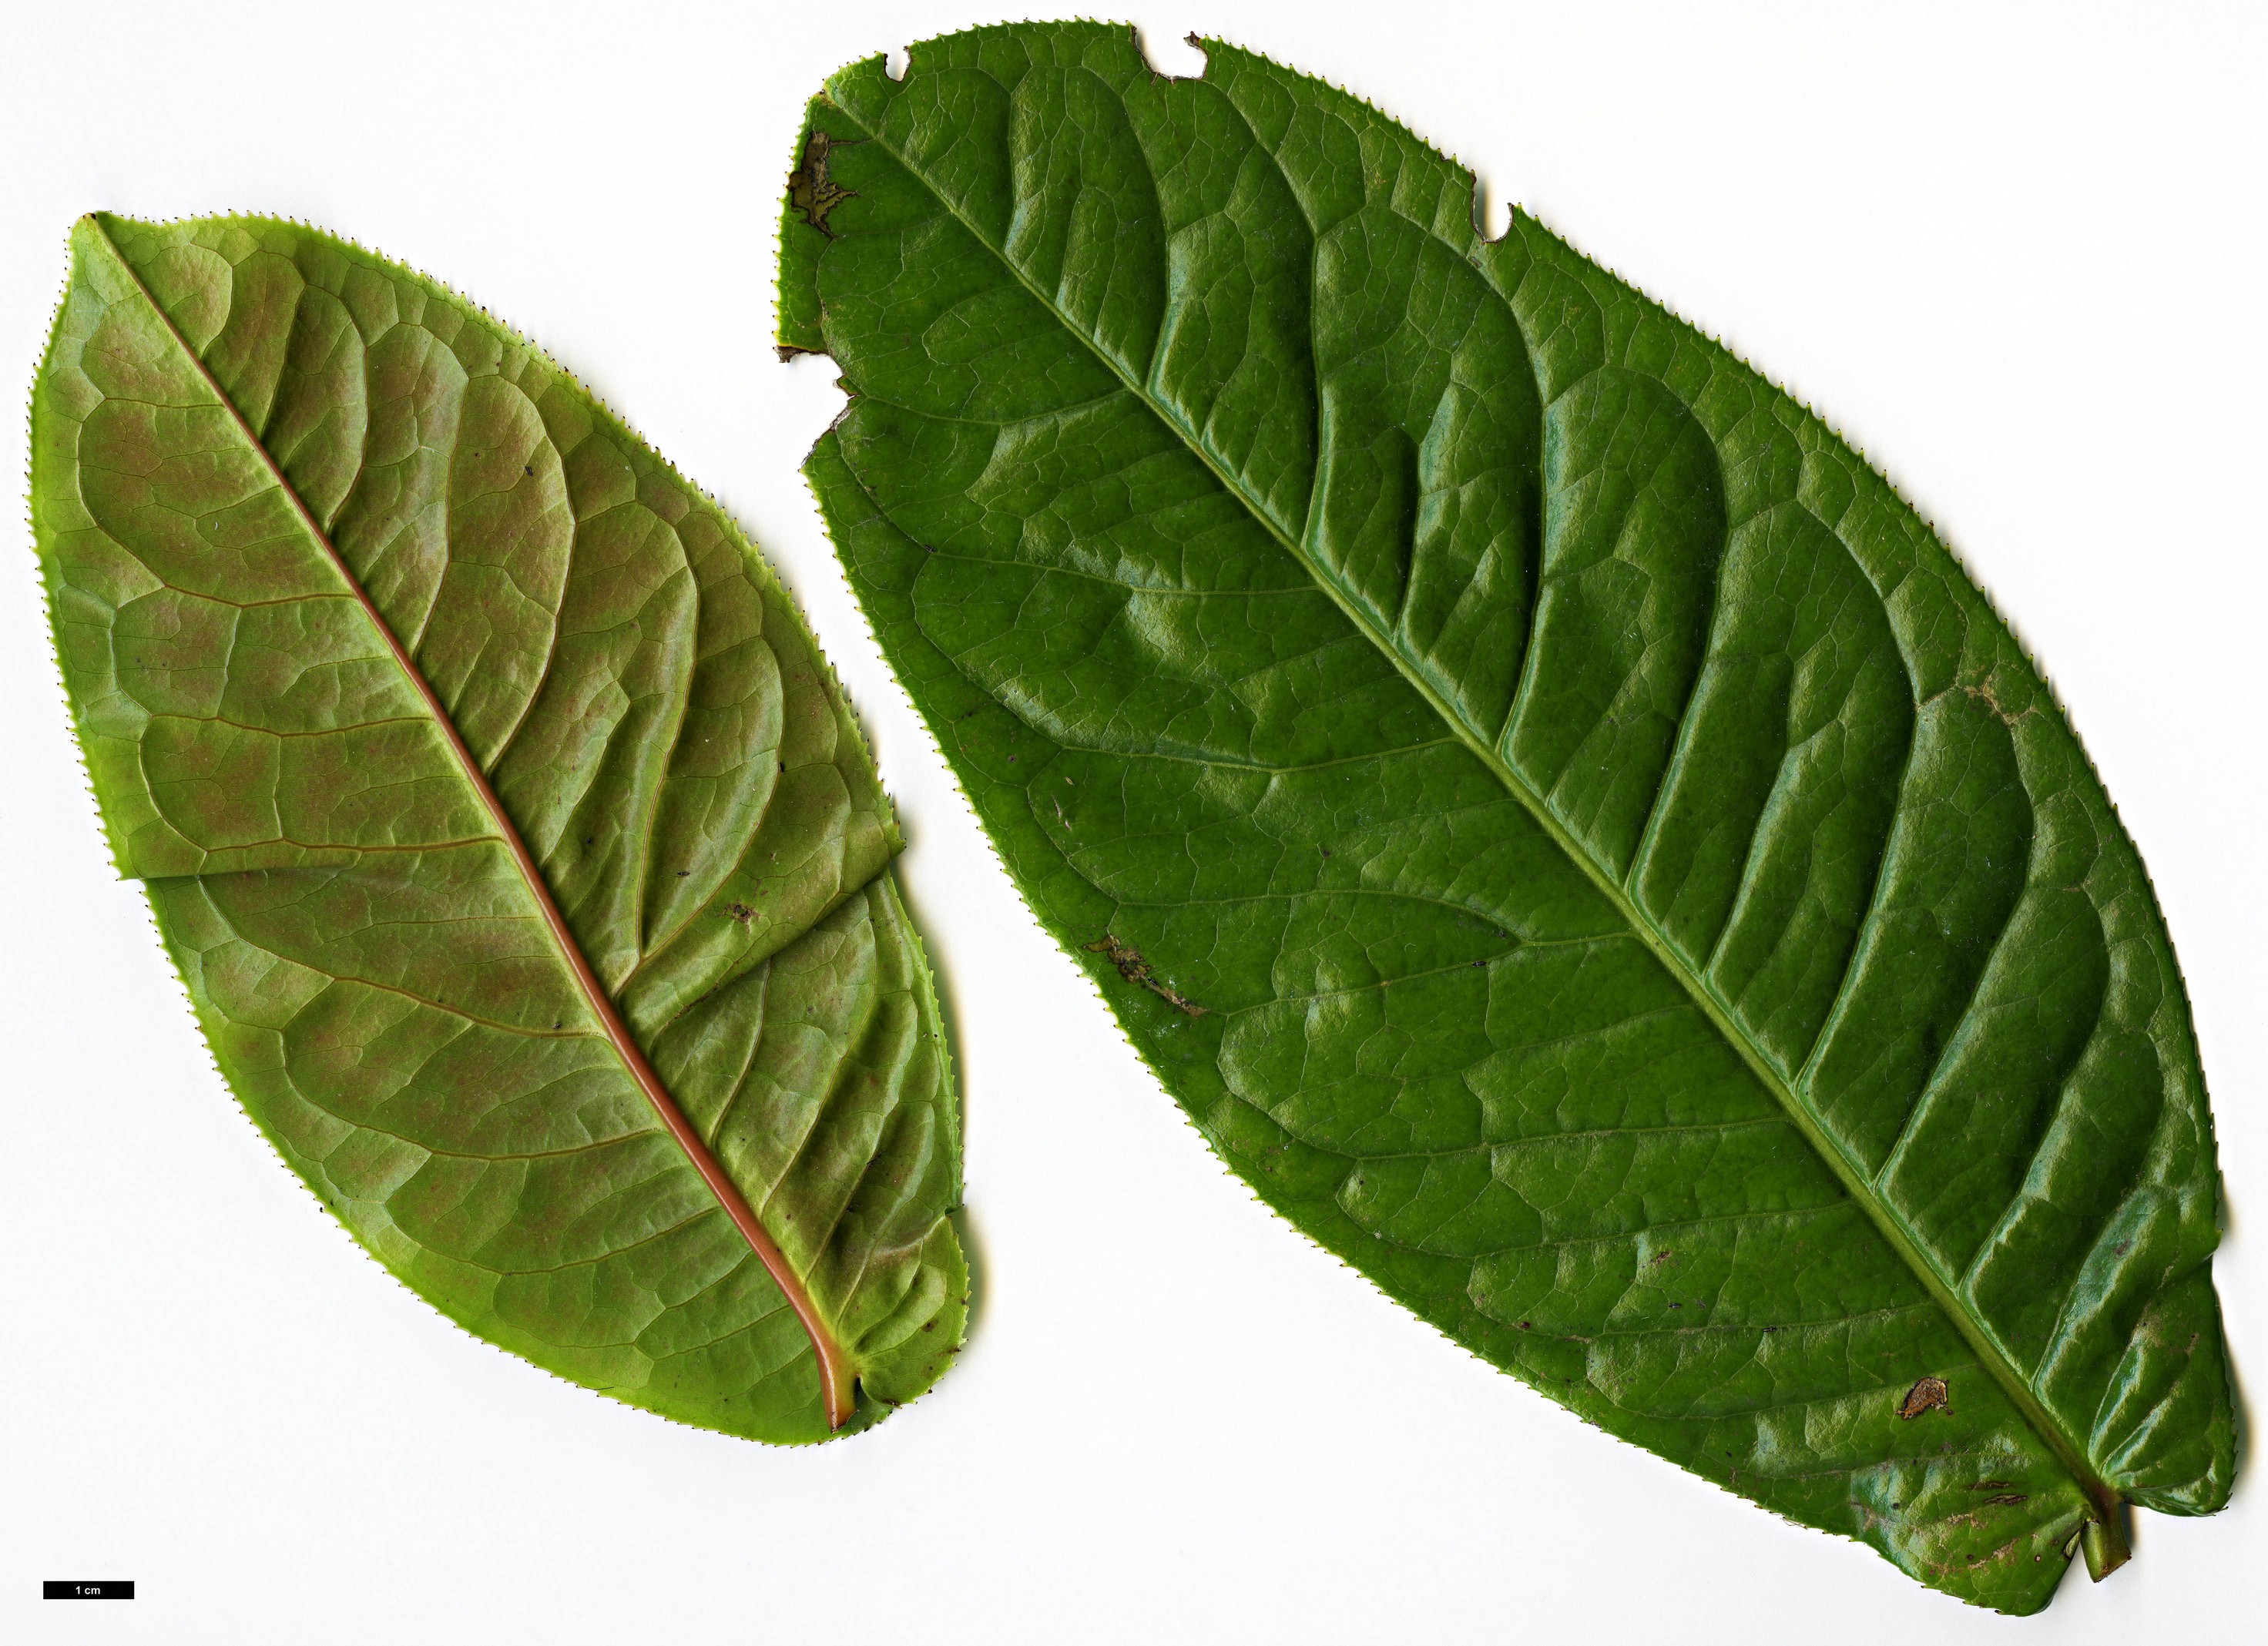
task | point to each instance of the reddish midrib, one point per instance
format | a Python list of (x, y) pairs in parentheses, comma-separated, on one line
[(835, 1377)]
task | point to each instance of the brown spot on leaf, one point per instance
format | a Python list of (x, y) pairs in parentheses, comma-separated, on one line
[(811, 192), (1930, 1393), (1135, 969), (741, 912), (1985, 692)]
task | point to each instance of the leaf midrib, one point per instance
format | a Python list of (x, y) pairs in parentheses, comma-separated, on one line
[(836, 1376), (2102, 1497)]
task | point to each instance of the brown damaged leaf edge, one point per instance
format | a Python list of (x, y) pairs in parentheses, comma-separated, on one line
[(811, 191), (836, 1379)]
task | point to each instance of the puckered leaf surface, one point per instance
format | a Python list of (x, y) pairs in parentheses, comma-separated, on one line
[(526, 869), (1565, 831)]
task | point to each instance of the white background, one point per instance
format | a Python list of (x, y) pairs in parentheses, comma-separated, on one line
[(2013, 253)]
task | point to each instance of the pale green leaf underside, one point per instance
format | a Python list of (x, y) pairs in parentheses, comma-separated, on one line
[(371, 965), (1567, 833)]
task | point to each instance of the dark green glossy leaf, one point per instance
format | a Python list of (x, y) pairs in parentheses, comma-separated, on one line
[(526, 869), (1568, 835)]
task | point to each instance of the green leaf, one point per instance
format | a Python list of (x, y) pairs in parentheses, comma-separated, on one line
[(1568, 835), (525, 864)]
